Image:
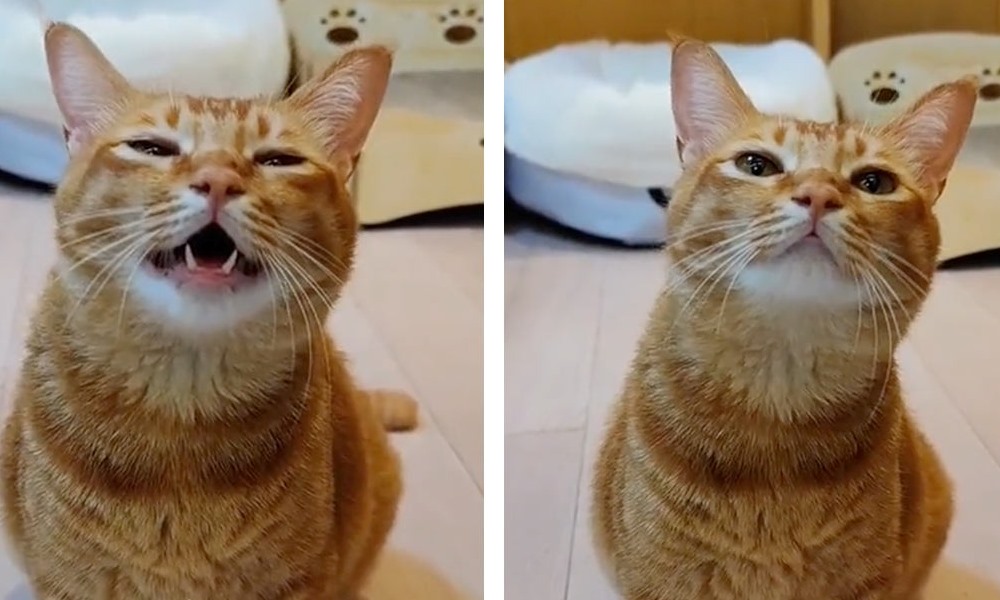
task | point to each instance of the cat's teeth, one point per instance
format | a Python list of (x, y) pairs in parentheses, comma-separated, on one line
[(227, 267), (189, 257)]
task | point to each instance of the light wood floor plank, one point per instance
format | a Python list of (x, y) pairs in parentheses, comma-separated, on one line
[(975, 538), (541, 474), (437, 343), (957, 338), (623, 317), (550, 327), (460, 255), (439, 492)]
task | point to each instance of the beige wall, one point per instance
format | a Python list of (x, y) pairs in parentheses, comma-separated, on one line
[(859, 20), (533, 25)]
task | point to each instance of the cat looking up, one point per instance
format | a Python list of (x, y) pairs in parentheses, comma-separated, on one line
[(761, 449)]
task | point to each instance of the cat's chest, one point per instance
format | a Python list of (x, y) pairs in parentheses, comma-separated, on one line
[(174, 536), (218, 546), (178, 528), (798, 544)]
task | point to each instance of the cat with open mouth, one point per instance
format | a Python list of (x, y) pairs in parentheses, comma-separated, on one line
[(184, 426)]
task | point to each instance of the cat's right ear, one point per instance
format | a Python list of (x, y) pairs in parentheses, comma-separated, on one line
[(341, 105), (707, 101), (931, 133), (87, 88)]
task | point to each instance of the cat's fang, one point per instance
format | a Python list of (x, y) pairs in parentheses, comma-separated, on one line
[(227, 267), (192, 264)]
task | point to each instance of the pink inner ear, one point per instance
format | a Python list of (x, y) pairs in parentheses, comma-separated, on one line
[(87, 88), (933, 132), (75, 139), (343, 102), (707, 101)]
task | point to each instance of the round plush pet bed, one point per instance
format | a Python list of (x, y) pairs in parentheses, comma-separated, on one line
[(627, 214), (217, 48), (590, 135), (876, 81)]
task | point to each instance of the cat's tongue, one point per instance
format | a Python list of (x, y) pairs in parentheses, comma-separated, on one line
[(206, 272), (206, 275)]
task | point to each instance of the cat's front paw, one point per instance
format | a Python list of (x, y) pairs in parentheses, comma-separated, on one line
[(397, 410)]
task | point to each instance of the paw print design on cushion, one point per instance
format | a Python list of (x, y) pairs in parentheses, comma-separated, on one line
[(884, 88), (344, 25), (461, 25), (989, 90)]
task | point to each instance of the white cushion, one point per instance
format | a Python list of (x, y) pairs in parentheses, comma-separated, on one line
[(602, 110), (217, 48)]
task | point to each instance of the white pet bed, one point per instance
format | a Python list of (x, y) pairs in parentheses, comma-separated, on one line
[(615, 212), (589, 130), (217, 48)]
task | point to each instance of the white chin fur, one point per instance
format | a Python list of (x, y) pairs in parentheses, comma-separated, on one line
[(183, 311), (191, 314), (805, 277)]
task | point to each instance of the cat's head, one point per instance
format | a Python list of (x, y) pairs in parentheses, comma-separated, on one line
[(204, 213), (795, 214)]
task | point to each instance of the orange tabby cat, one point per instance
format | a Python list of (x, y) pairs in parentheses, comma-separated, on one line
[(761, 450), (184, 428)]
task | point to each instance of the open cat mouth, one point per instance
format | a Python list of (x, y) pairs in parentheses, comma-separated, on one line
[(208, 258)]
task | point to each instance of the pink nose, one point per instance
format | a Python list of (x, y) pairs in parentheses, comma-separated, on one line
[(819, 198), (218, 184)]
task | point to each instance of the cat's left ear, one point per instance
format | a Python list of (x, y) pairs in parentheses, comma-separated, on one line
[(343, 102), (932, 132)]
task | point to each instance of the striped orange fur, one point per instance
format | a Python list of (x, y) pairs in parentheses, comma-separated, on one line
[(174, 437), (761, 449)]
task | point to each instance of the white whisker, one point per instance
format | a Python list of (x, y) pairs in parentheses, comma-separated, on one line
[(101, 213), (749, 255), (134, 242)]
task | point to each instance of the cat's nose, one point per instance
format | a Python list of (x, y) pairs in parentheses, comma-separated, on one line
[(820, 199), (218, 184)]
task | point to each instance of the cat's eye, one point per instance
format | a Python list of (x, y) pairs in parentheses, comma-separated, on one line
[(875, 181), (278, 159), (758, 165), (154, 147)]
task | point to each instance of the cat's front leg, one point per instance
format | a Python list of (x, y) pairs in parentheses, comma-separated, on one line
[(11, 517)]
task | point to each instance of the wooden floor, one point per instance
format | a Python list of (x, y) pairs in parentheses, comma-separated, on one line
[(411, 318), (574, 311)]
